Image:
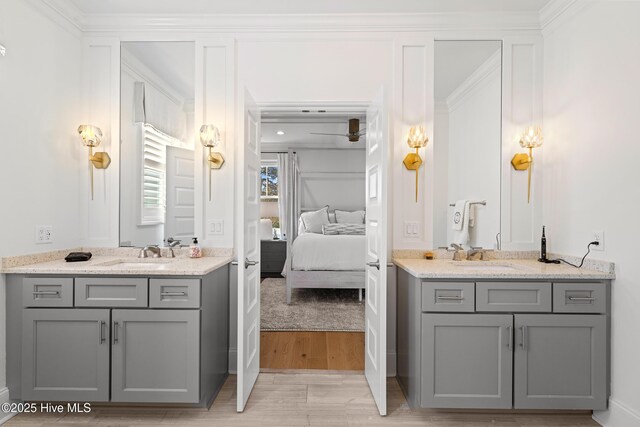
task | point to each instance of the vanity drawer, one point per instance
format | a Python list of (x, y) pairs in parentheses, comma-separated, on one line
[(174, 293), (448, 296), (513, 296), (579, 298), (111, 292), (47, 292)]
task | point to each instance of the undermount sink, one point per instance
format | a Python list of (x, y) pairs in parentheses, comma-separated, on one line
[(484, 267), (156, 264)]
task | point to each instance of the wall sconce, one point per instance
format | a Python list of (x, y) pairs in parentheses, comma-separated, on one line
[(210, 137), (417, 139), (92, 137), (531, 138)]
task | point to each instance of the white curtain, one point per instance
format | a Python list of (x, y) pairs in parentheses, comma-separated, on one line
[(283, 192)]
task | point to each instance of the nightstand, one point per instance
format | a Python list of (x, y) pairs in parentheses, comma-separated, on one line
[(273, 254)]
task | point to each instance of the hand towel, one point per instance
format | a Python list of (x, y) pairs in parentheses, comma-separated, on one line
[(458, 215), (461, 235)]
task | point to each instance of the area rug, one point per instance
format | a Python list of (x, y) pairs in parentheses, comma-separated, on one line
[(310, 309)]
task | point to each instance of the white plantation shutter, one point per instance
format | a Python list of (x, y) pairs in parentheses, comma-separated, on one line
[(154, 174)]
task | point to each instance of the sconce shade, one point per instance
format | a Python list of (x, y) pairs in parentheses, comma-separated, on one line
[(209, 135), (531, 137), (417, 137), (91, 135)]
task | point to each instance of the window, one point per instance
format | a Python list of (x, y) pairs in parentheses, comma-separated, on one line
[(154, 174), (269, 181)]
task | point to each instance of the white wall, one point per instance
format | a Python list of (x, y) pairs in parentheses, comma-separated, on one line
[(42, 161), (591, 110)]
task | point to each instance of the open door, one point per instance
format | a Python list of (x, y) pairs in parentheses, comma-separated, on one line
[(180, 220), (248, 248), (375, 367)]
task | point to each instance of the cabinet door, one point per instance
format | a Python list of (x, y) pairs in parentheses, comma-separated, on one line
[(560, 361), (155, 356), (65, 355), (466, 360)]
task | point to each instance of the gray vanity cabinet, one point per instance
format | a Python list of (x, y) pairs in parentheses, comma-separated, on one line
[(466, 360), (65, 355), (560, 361), (155, 356)]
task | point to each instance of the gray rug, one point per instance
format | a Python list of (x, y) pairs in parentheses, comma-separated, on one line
[(310, 309)]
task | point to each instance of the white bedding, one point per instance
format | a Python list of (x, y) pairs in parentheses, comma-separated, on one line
[(312, 251)]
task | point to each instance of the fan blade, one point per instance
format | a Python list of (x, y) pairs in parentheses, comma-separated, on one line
[(331, 134)]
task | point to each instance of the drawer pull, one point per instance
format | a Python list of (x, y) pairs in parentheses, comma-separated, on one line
[(582, 299), (450, 298), (102, 325), (115, 332), (173, 294), (46, 293)]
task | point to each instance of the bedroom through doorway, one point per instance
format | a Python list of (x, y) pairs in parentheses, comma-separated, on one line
[(312, 239)]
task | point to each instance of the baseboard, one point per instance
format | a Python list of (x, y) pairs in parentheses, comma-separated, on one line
[(233, 360), (617, 415), (391, 363), (4, 398)]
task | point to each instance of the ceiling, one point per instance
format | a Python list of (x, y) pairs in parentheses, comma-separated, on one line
[(173, 62), (303, 7), (455, 61), (297, 131)]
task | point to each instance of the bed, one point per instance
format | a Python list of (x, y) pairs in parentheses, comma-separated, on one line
[(326, 261)]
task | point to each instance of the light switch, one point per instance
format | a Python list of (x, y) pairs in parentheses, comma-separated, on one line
[(411, 229), (216, 227)]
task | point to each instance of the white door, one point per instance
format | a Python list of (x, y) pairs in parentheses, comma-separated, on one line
[(375, 364), (248, 248), (180, 220)]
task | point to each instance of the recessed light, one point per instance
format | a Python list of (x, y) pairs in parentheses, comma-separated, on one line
[(280, 132)]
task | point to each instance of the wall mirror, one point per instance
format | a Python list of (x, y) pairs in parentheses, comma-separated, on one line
[(157, 142), (467, 141)]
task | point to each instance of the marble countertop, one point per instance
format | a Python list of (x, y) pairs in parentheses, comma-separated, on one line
[(119, 265), (497, 269)]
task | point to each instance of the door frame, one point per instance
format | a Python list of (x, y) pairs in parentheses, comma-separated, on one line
[(338, 106)]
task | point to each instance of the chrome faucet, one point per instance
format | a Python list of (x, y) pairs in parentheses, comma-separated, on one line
[(172, 243), (476, 254), (459, 253), (154, 249)]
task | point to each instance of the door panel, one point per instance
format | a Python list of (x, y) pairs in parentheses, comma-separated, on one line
[(156, 356), (466, 360), (560, 362), (248, 250), (65, 355), (376, 271), (180, 220)]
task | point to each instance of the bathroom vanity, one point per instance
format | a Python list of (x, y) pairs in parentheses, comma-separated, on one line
[(114, 330), (503, 334)]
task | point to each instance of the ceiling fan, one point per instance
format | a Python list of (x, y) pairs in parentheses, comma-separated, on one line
[(354, 131)]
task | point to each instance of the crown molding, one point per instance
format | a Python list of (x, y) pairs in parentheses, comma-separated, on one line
[(64, 14), (557, 12), (136, 69), (475, 80), (67, 14)]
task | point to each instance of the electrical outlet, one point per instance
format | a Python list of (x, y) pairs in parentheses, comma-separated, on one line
[(216, 227), (44, 234), (598, 236)]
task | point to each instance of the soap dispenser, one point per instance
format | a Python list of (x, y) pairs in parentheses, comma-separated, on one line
[(194, 250)]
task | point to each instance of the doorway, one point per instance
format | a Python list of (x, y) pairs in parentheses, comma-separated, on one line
[(249, 248), (312, 238)]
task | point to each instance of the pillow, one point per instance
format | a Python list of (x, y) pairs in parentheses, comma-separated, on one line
[(346, 217), (351, 229), (313, 221), (332, 218)]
